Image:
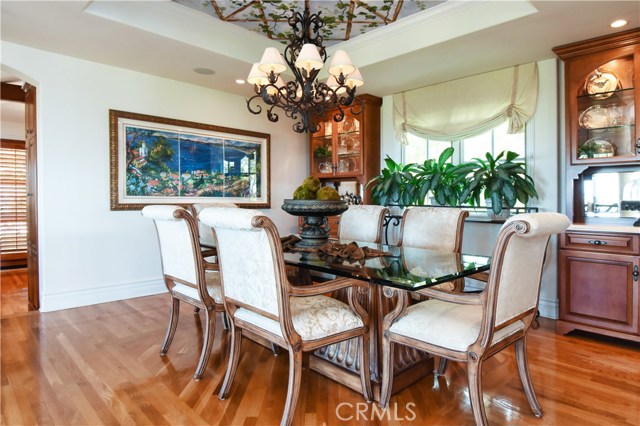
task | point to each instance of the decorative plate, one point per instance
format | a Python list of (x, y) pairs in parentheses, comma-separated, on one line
[(595, 117), (348, 125), (601, 82)]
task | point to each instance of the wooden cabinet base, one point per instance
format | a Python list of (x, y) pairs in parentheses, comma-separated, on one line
[(563, 327), (598, 283)]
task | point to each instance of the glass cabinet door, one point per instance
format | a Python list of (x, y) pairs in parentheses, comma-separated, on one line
[(606, 116), (322, 161), (348, 147)]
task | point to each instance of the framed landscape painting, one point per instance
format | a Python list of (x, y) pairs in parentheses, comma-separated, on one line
[(157, 160)]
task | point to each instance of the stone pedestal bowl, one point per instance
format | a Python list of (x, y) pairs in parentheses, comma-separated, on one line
[(315, 228)]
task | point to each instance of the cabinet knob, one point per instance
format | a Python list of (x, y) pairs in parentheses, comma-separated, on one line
[(598, 242), (635, 273)]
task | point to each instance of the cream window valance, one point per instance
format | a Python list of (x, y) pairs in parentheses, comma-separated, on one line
[(469, 106)]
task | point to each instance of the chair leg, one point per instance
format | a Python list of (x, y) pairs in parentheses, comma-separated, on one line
[(232, 365), (442, 366), (387, 372), (365, 374), (295, 375), (474, 373), (225, 321), (174, 313), (275, 349), (209, 332), (525, 378)]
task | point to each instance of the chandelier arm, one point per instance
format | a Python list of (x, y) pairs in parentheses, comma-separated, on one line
[(272, 116), (258, 108)]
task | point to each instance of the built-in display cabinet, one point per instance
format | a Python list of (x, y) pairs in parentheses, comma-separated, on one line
[(599, 255), (348, 150)]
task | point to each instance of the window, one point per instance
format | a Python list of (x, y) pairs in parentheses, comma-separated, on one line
[(494, 141), (13, 201)]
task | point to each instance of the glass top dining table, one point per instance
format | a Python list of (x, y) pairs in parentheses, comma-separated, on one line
[(405, 268)]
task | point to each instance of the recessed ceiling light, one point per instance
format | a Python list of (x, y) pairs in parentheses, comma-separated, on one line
[(240, 81), (618, 23), (204, 71)]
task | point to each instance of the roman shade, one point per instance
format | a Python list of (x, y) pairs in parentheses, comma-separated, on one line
[(466, 107)]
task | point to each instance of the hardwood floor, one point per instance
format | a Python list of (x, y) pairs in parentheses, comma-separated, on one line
[(13, 292), (100, 365)]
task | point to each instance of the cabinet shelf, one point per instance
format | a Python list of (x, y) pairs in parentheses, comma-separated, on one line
[(604, 96)]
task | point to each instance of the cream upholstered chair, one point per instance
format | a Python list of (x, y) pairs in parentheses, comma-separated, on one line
[(362, 223), (473, 327), (184, 274), (259, 298), (433, 228), (205, 232)]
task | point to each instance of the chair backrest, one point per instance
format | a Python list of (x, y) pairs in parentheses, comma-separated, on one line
[(205, 232), (362, 223), (177, 235), (433, 228), (250, 258), (517, 261)]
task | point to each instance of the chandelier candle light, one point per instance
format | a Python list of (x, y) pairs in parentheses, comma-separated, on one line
[(304, 99)]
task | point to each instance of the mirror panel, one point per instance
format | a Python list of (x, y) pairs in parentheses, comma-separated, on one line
[(612, 194)]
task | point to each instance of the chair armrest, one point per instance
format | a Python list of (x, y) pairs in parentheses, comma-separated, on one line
[(207, 252), (210, 266), (461, 298), (326, 287)]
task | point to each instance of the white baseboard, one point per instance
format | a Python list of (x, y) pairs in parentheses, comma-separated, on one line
[(548, 308), (92, 296)]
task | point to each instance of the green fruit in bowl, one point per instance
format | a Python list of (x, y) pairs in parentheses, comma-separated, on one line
[(327, 193), (312, 184), (302, 193)]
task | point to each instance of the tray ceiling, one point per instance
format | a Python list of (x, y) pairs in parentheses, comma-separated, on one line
[(343, 19)]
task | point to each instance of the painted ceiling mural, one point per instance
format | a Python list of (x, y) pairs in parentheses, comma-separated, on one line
[(344, 19)]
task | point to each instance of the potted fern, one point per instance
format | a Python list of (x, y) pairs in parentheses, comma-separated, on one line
[(501, 181)]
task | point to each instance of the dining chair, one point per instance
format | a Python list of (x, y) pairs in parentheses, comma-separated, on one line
[(362, 222), (434, 228), (473, 327), (185, 275), (205, 232), (259, 299)]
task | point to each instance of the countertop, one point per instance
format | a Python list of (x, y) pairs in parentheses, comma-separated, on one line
[(605, 228)]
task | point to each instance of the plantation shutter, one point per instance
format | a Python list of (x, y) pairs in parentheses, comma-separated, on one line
[(13, 198)]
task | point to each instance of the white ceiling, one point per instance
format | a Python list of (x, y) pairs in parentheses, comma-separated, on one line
[(449, 41)]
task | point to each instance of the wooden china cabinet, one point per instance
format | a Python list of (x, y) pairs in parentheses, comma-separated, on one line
[(348, 150), (600, 253)]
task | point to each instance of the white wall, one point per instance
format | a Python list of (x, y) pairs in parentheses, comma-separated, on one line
[(542, 154), (89, 254)]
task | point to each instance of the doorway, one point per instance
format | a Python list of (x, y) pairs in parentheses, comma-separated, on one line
[(19, 261)]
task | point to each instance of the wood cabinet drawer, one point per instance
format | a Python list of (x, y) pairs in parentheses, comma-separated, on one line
[(601, 242)]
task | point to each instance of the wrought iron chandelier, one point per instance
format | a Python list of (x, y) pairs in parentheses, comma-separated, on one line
[(305, 99)]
